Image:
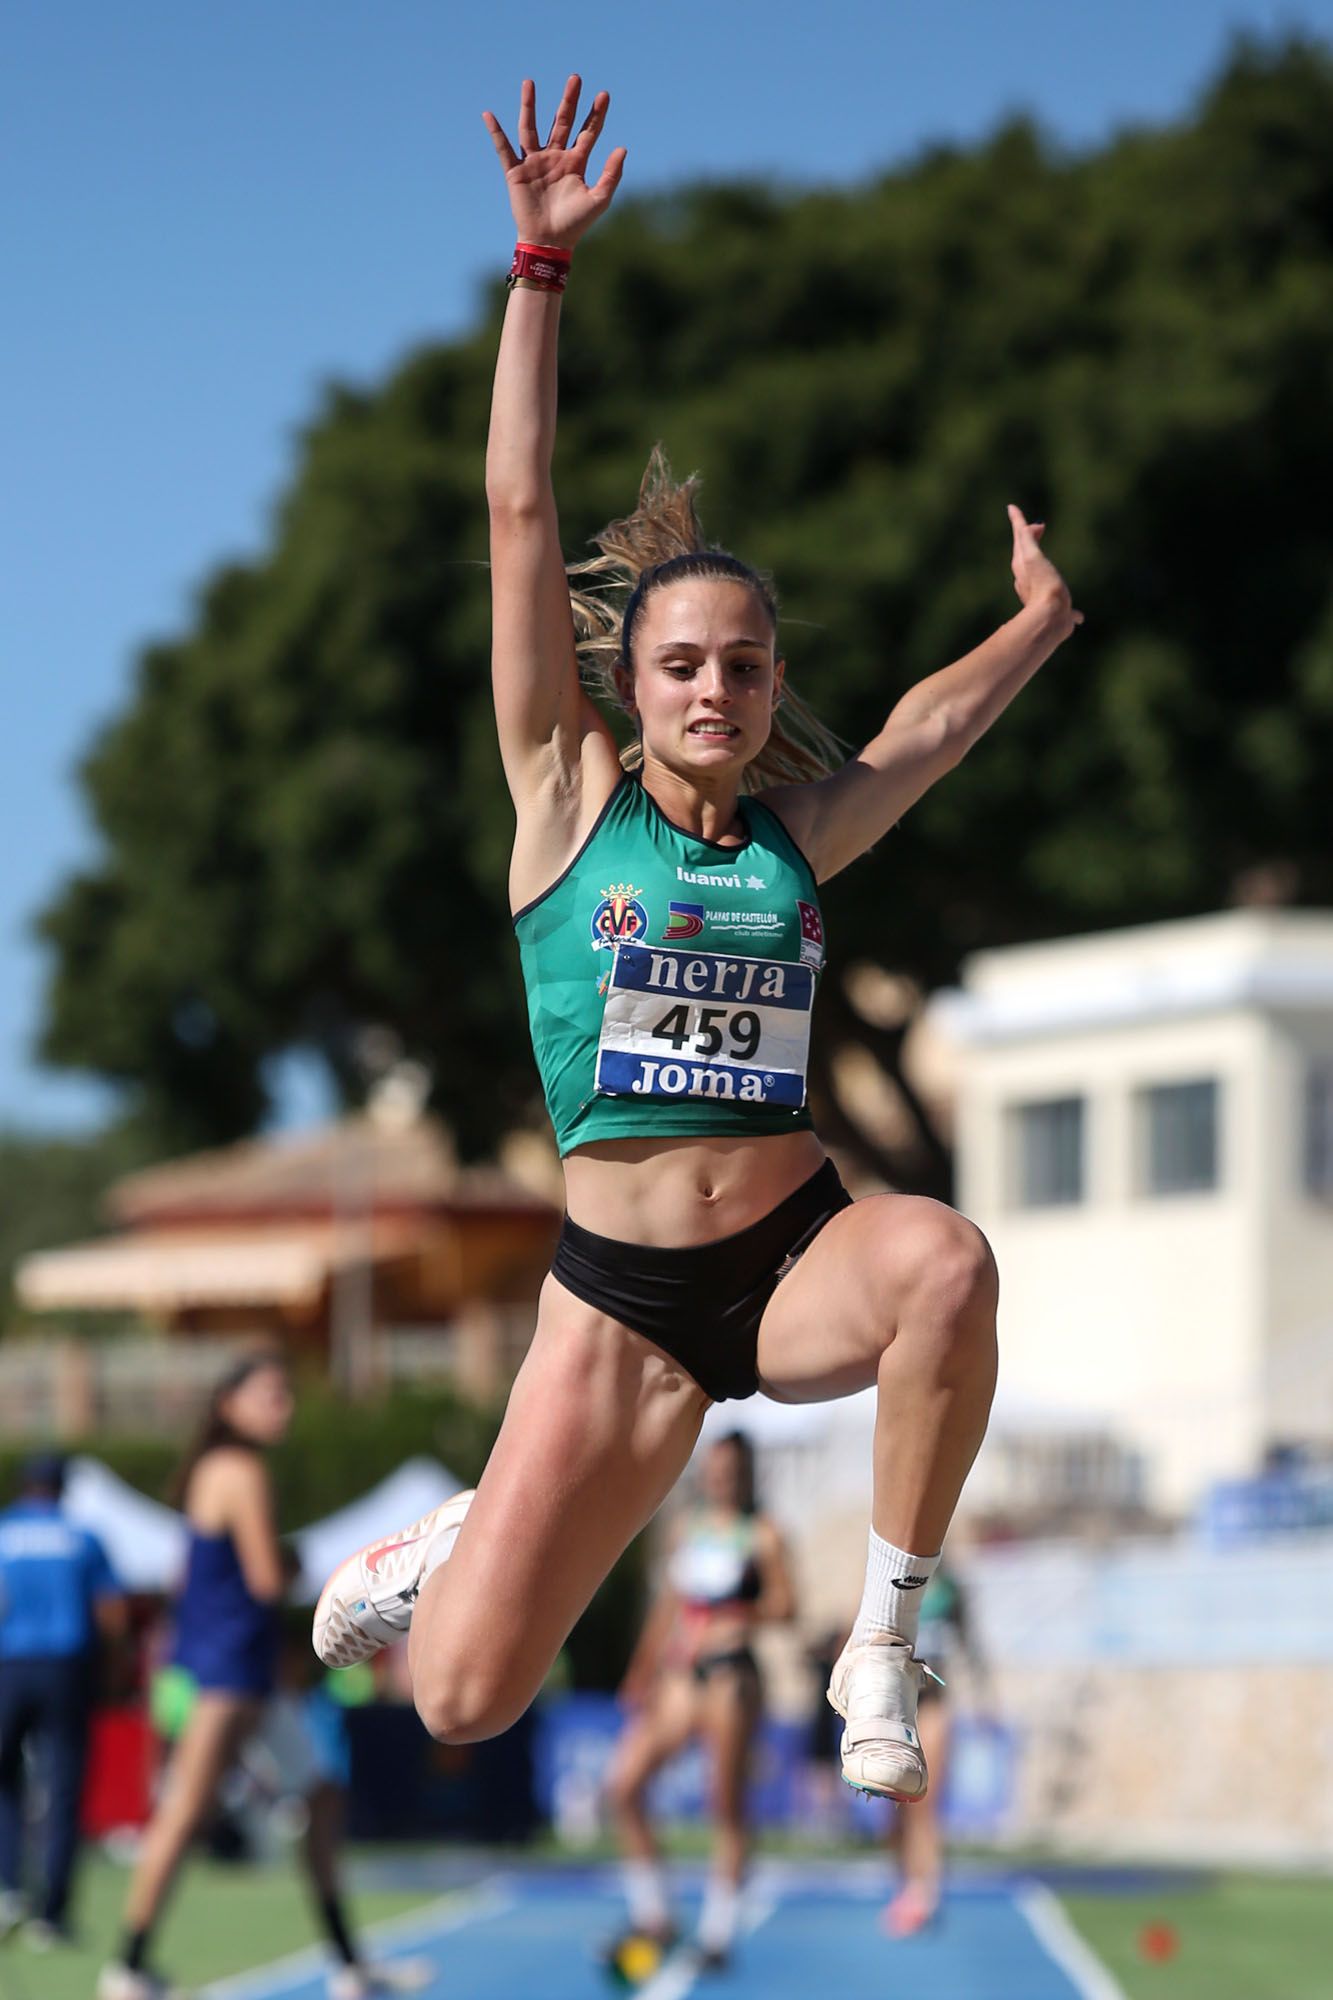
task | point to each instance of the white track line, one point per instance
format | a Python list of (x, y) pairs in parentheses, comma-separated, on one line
[(419, 1926), (1068, 1947), (679, 1974)]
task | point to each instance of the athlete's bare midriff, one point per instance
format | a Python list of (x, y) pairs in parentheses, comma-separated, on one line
[(672, 1193)]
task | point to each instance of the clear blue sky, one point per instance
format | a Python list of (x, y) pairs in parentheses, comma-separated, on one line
[(216, 208)]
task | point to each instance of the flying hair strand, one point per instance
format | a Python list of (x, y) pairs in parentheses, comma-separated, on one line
[(660, 543)]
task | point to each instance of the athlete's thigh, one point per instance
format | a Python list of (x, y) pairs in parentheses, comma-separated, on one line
[(824, 1329), (659, 1731), (218, 1725), (599, 1427), (731, 1718)]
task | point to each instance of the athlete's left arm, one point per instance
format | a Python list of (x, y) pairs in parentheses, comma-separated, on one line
[(650, 1648), (935, 724), (776, 1602)]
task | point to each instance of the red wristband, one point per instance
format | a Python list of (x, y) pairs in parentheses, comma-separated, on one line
[(545, 265)]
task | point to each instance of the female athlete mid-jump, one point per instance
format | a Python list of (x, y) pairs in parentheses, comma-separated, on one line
[(667, 911)]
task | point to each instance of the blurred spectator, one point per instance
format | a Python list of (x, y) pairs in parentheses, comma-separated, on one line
[(226, 1695), (57, 1593), (823, 1800), (694, 1675)]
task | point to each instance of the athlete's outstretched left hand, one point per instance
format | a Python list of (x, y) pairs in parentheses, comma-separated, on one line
[(1036, 579), (548, 191)]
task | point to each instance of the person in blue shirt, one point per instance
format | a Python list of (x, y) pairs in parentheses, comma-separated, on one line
[(57, 1594)]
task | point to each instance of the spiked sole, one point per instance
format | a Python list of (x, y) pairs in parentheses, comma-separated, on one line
[(875, 1791), (336, 1640)]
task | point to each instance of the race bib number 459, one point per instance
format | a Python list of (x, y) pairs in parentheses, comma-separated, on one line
[(704, 1025)]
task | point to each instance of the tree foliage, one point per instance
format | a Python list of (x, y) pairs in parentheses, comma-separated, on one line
[(303, 824)]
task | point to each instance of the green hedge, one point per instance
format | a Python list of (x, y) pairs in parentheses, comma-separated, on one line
[(334, 1451)]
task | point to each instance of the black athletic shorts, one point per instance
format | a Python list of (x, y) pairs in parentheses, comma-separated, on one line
[(702, 1304), (737, 1660)]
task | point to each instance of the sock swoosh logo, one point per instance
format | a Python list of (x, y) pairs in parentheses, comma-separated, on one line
[(374, 1560)]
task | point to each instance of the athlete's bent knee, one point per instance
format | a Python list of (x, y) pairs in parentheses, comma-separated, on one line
[(964, 1272), (957, 1284), (466, 1709)]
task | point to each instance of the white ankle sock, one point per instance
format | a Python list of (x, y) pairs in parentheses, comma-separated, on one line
[(440, 1549), (891, 1601), (717, 1919), (645, 1892)]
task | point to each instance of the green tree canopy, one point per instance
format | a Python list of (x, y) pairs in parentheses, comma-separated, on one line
[(302, 820)]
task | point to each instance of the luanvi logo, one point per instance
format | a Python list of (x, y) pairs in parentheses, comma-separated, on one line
[(909, 1582)]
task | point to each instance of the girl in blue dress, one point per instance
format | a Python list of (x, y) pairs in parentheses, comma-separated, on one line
[(227, 1638)]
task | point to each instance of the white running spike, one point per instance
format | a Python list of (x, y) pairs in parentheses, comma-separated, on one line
[(874, 1689), (368, 1601)]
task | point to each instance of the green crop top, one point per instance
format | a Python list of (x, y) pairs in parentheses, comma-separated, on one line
[(670, 979)]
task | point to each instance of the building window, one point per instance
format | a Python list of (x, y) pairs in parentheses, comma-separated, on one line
[(1319, 1131), (1179, 1125), (1048, 1152)]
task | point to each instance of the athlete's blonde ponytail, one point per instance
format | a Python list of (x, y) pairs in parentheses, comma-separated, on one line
[(663, 542)]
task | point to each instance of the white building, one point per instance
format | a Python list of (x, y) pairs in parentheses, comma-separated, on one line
[(1145, 1132)]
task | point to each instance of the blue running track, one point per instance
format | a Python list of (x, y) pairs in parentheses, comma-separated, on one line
[(810, 1932)]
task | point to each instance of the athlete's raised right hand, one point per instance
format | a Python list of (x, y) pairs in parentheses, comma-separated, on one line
[(548, 191)]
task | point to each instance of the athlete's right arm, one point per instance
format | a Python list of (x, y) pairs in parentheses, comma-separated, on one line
[(645, 1662), (559, 755), (243, 1497), (650, 1648)]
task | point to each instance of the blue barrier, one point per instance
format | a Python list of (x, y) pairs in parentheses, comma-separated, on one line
[(575, 1735), (404, 1786), (1235, 1511)]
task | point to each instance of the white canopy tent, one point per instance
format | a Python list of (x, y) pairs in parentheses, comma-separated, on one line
[(145, 1541), (407, 1494)]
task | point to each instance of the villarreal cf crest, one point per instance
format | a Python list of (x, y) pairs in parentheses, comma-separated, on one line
[(620, 918)]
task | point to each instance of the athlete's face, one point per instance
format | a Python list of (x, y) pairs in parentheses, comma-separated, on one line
[(261, 1406), (705, 679), (723, 1476)]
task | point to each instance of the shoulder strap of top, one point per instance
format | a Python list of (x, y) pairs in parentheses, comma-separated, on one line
[(774, 823), (619, 795)]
